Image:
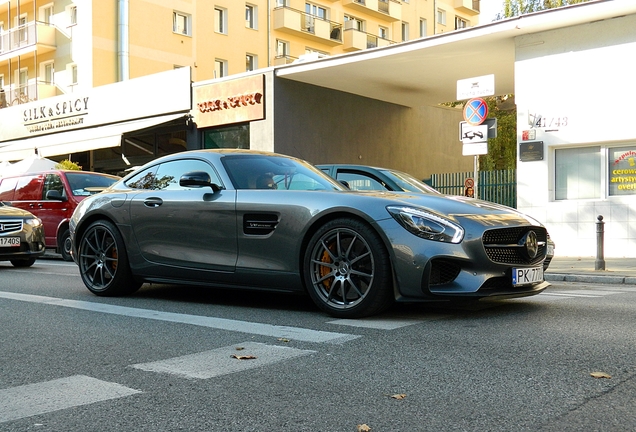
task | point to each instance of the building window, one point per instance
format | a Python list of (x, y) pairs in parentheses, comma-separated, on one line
[(316, 10), (73, 70), (405, 31), (423, 28), (250, 62), (220, 20), (1, 37), (353, 23), (441, 16), (383, 32), (220, 68), (250, 16), (47, 72), (460, 23), (181, 23), (1, 81), (46, 13), (281, 3), (622, 171), (72, 12), (22, 28), (282, 48), (577, 173)]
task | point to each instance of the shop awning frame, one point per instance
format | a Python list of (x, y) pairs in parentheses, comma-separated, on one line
[(79, 140)]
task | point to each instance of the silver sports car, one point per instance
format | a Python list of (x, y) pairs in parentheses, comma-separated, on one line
[(257, 220)]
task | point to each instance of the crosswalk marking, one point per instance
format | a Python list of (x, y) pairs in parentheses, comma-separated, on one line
[(34, 399), (294, 333), (219, 361)]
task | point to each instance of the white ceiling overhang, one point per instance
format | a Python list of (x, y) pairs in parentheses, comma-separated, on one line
[(425, 71)]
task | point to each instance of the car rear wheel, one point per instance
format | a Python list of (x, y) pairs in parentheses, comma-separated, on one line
[(23, 262), (64, 246), (347, 270), (103, 261)]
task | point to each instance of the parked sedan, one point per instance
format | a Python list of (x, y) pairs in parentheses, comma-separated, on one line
[(21, 236), (257, 220), (363, 177)]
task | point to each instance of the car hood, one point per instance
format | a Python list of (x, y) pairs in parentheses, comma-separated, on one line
[(459, 208), (8, 211)]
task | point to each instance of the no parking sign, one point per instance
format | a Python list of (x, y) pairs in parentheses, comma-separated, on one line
[(475, 111)]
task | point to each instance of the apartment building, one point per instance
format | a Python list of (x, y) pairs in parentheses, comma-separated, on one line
[(50, 48)]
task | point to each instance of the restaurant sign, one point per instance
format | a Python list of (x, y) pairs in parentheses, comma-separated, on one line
[(235, 101)]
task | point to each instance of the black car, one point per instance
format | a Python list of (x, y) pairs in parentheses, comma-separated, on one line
[(259, 220), (21, 236)]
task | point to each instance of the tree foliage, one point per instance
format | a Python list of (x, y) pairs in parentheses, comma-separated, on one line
[(68, 165), (512, 8)]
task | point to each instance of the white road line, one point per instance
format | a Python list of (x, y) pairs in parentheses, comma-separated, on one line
[(385, 323), (293, 333), (40, 398), (216, 362)]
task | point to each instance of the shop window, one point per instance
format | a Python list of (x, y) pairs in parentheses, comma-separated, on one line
[(220, 20), (622, 171), (578, 173), (227, 137), (171, 142)]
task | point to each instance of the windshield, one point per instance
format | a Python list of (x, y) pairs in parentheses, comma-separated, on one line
[(409, 183), (84, 184), (276, 172)]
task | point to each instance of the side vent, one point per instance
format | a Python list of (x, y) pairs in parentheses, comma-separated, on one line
[(259, 223)]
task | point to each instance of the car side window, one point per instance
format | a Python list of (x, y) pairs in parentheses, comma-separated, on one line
[(53, 182), (7, 186), (144, 179), (360, 181), (169, 173), (29, 188)]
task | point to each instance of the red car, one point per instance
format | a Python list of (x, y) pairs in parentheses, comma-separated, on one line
[(52, 196)]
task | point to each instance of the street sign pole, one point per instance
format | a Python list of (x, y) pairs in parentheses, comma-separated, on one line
[(476, 178)]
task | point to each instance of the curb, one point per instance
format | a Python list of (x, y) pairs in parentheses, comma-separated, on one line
[(562, 277)]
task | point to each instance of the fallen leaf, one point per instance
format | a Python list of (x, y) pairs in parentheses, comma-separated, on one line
[(363, 428), (398, 396), (240, 348), (243, 357), (600, 375), (283, 339)]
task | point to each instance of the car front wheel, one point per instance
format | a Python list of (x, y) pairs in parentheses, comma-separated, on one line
[(347, 270), (103, 262), (23, 262)]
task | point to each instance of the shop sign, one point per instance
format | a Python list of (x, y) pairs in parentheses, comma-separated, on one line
[(622, 171), (235, 101)]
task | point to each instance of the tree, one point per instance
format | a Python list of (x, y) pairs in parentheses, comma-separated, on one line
[(512, 8)]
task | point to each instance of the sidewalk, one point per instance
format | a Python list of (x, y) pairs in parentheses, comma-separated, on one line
[(572, 269)]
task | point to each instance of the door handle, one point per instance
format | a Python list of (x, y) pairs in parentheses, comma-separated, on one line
[(153, 202)]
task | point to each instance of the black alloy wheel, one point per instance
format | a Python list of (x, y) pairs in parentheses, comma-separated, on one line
[(64, 245), (23, 262), (103, 262), (347, 270)]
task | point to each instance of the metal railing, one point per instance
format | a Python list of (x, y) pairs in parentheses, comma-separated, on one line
[(494, 186), (16, 95), (18, 37), (383, 6)]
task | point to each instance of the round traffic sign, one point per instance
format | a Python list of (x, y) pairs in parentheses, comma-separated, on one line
[(469, 182), (475, 111)]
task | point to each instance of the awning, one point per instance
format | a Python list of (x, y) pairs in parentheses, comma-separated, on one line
[(78, 140)]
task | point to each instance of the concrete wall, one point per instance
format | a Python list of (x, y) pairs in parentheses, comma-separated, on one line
[(580, 80), (326, 126)]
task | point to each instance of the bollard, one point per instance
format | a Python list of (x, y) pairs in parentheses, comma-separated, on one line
[(599, 264)]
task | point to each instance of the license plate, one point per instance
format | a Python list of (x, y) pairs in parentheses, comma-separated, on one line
[(525, 276), (9, 241)]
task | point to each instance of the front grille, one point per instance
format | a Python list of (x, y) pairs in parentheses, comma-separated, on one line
[(505, 246), (8, 226), (443, 272)]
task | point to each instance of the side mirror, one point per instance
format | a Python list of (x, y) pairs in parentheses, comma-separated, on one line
[(345, 183), (54, 195), (198, 179)]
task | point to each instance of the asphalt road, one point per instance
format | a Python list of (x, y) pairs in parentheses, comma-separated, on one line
[(179, 358)]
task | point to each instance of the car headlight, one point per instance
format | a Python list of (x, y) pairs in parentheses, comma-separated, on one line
[(34, 222), (427, 225)]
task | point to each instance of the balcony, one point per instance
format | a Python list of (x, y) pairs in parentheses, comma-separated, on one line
[(284, 59), (26, 39), (288, 20), (355, 40), (470, 7), (386, 10), (20, 94)]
